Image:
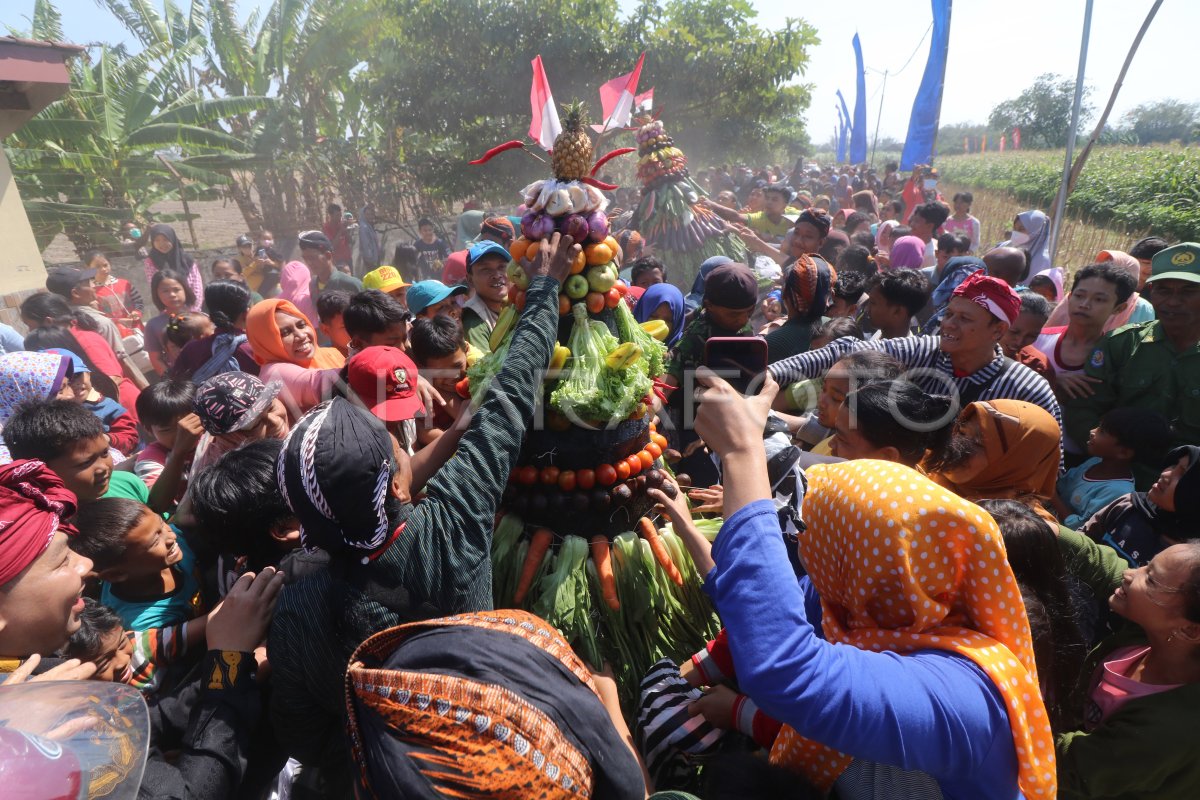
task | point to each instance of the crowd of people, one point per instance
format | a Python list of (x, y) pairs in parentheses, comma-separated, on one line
[(268, 508)]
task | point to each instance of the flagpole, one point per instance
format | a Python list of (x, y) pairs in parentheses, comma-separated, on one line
[(879, 117), (1060, 201)]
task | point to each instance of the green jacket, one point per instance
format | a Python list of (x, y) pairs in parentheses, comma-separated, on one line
[(1150, 747), (1139, 368)]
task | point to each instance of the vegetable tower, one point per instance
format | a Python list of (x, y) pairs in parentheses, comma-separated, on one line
[(565, 547), (682, 232)]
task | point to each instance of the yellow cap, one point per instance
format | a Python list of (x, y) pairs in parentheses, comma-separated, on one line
[(385, 279)]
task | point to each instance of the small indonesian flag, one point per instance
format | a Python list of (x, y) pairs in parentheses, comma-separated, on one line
[(618, 97), (545, 126), (644, 102)]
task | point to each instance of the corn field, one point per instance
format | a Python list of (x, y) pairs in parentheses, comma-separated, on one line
[(1126, 189)]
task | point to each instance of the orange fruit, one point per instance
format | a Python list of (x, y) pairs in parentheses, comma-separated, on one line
[(598, 254), (517, 248), (579, 263), (613, 247), (531, 250)]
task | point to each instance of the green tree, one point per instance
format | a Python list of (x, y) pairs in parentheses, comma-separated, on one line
[(1042, 112), (1163, 121), (98, 155)]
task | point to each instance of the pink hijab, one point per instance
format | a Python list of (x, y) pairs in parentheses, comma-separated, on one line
[(294, 282), (883, 235), (908, 252), (1061, 314)]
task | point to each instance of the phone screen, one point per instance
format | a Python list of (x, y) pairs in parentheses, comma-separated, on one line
[(930, 184), (740, 360)]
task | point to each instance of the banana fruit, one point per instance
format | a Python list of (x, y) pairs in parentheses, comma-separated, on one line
[(623, 356), (504, 326)]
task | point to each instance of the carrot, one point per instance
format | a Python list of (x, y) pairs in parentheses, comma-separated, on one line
[(538, 545), (608, 582), (650, 534)]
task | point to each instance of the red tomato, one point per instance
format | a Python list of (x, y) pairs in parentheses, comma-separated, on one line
[(653, 449), (527, 476), (519, 300), (550, 476), (611, 298), (635, 464), (586, 478), (564, 305), (622, 469), (622, 288), (646, 458), (595, 302), (566, 480), (606, 475)]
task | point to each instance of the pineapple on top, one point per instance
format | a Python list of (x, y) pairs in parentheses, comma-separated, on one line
[(571, 158)]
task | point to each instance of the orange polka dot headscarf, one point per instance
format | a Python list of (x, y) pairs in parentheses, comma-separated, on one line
[(901, 565)]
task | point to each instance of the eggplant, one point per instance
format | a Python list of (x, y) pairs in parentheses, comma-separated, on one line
[(670, 490), (600, 501), (640, 482), (621, 494), (655, 479)]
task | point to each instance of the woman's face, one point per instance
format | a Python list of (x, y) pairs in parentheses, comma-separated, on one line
[(849, 442), (1162, 493), (103, 269), (807, 238), (833, 393), (969, 328), (1018, 226), (172, 295), (1150, 595), (299, 339), (161, 243)]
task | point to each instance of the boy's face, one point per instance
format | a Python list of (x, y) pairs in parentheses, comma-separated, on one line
[(84, 293), (448, 307), (1102, 444), (426, 232), (774, 203), (394, 335), (731, 319), (648, 278), (224, 271), (446, 371), (116, 654), (489, 277), (150, 547), (842, 307), (81, 386), (1022, 333), (1093, 301), (882, 313), (39, 609), (271, 424), (165, 434), (335, 330), (85, 468)]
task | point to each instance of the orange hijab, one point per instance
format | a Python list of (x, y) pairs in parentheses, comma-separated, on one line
[(263, 335), (950, 588), (1022, 445)]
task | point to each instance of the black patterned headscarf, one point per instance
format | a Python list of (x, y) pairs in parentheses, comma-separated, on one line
[(335, 473)]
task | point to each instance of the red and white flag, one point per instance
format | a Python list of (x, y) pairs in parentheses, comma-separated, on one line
[(617, 99), (545, 125), (644, 102)]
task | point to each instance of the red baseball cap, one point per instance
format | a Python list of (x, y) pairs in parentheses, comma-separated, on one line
[(385, 379)]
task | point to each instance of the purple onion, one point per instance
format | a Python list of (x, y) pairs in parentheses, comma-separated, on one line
[(536, 226), (597, 225), (527, 221), (576, 227)]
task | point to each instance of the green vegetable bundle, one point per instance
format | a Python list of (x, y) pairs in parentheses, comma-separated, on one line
[(592, 391), (628, 330)]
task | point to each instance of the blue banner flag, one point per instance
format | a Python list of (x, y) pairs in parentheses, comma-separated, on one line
[(927, 107), (842, 131), (858, 131)]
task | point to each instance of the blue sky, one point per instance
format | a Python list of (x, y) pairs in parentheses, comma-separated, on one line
[(996, 50)]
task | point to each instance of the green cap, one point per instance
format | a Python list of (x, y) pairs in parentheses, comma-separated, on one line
[(1179, 262)]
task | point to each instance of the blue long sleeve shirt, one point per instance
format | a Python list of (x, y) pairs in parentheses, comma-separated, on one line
[(931, 710)]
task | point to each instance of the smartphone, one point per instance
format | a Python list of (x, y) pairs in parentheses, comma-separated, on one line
[(261, 254), (741, 360), (930, 184)]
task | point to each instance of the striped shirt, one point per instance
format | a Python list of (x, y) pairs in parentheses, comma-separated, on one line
[(929, 368)]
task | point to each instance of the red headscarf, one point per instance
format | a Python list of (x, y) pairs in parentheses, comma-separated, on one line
[(33, 502), (993, 294)]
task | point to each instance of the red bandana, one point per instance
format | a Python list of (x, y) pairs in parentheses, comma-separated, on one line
[(33, 501), (993, 294)]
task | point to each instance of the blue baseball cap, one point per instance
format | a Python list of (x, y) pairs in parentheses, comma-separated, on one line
[(423, 294), (77, 365), (485, 248)]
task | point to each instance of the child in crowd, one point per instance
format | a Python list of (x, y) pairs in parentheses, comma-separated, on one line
[(171, 294), (895, 298), (1124, 436), (117, 298), (433, 298), (440, 351), (1046, 287), (235, 408), (128, 656), (166, 410), (71, 441), (848, 291), (949, 245), (857, 259), (330, 307), (772, 312), (230, 269), (962, 222), (385, 380), (432, 252), (374, 319), (148, 573), (118, 422), (183, 328)]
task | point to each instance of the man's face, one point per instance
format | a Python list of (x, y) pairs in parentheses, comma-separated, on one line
[(84, 293), (1177, 305), (1022, 333), (883, 314), (921, 227), (85, 468), (806, 238), (150, 547), (318, 260), (969, 328), (246, 249), (1093, 301), (39, 609), (490, 279), (400, 295), (445, 372), (731, 319)]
